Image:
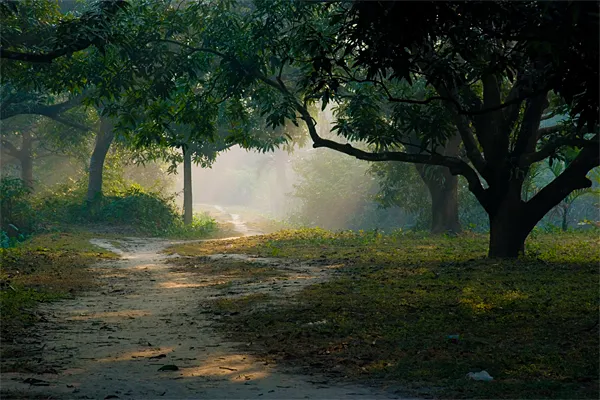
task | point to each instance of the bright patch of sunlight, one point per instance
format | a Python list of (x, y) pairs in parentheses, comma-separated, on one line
[(179, 285), (144, 267), (236, 367), (111, 315), (334, 266), (478, 307), (514, 295)]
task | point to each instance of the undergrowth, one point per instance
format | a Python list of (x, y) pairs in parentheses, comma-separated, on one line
[(142, 211), (394, 313)]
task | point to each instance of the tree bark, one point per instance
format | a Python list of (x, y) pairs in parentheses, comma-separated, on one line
[(507, 237), (187, 186), (26, 159), (444, 204), (509, 226), (104, 139), (443, 190), (27, 169), (565, 218)]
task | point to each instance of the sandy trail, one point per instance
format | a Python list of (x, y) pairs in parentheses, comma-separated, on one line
[(147, 314)]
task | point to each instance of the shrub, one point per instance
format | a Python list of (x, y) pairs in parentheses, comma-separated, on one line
[(17, 217)]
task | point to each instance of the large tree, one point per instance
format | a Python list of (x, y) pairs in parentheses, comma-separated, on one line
[(492, 74)]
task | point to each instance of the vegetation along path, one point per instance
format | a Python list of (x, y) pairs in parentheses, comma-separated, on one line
[(146, 333)]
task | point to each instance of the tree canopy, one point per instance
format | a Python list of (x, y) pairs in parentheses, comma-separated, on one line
[(457, 85)]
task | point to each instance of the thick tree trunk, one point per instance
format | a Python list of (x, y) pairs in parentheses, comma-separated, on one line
[(507, 237), (187, 186), (509, 226), (104, 139)]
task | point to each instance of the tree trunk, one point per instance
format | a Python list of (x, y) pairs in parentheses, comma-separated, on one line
[(26, 160), (187, 186), (565, 218), (443, 189), (444, 206), (104, 139), (509, 226)]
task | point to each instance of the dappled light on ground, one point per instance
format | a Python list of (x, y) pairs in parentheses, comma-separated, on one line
[(234, 367), (182, 284), (111, 315), (148, 332)]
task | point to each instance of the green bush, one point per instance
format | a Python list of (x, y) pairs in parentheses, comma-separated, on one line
[(202, 224), (147, 212), (17, 216)]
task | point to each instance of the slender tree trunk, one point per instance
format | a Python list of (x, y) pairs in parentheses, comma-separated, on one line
[(26, 160), (565, 218), (187, 186), (104, 139)]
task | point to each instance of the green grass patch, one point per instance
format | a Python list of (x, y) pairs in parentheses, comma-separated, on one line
[(44, 268), (532, 323), (238, 304)]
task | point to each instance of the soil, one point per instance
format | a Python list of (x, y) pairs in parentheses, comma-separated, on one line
[(145, 333)]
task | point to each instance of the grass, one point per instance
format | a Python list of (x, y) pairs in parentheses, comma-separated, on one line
[(227, 269), (531, 323), (44, 268), (238, 304)]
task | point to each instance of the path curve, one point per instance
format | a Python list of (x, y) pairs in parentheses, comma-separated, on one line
[(145, 315)]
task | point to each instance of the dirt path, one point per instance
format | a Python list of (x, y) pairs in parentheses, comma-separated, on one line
[(148, 314)]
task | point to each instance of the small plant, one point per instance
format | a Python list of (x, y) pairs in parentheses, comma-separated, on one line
[(202, 224)]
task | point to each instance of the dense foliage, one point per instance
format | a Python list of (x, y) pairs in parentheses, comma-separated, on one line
[(202, 76)]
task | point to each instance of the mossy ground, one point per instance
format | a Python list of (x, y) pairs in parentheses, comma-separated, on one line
[(532, 323), (47, 267)]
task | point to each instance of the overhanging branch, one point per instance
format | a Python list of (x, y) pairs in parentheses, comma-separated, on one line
[(551, 148)]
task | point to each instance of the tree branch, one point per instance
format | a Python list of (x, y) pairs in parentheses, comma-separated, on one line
[(511, 113), (92, 19), (68, 122), (572, 178), (550, 149), (41, 109), (548, 130), (528, 134), (10, 148)]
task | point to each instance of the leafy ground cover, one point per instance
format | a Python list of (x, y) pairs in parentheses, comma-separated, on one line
[(46, 267), (423, 311)]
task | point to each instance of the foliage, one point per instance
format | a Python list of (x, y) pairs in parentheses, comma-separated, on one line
[(147, 212), (178, 76), (17, 217), (63, 205), (531, 323)]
